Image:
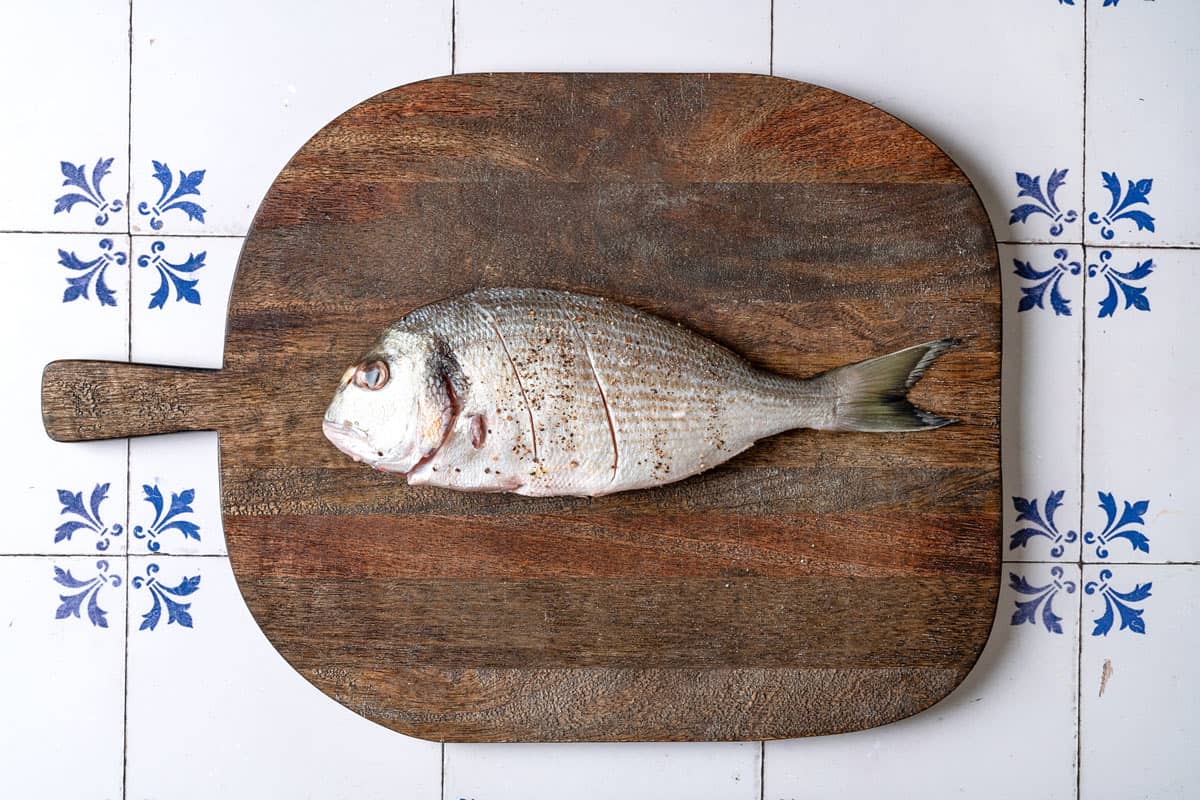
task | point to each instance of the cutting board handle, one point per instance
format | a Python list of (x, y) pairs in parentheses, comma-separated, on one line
[(88, 400)]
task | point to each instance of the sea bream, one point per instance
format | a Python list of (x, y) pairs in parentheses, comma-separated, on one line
[(542, 392)]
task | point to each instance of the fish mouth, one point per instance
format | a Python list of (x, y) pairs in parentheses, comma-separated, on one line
[(351, 440)]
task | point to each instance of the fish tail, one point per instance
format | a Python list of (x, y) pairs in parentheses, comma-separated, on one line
[(872, 395)]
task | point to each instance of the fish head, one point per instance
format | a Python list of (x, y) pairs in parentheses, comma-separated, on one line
[(395, 406)]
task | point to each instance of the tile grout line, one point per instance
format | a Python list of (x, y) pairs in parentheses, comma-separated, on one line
[(129, 224), (1079, 689), (195, 235), (1105, 246), (226, 555), (771, 45), (129, 350), (1082, 421), (125, 676), (128, 443), (762, 771)]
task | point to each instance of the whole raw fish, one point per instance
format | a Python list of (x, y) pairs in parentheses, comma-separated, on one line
[(543, 392)]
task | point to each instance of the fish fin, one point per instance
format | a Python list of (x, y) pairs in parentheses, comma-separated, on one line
[(872, 395)]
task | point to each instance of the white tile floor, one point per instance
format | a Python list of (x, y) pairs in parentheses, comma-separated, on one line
[(65, 97), (129, 666), (177, 282), (1142, 124), (1041, 416), (1141, 436), (63, 687)]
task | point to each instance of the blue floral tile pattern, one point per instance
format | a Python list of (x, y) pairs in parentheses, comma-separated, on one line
[(1121, 602), (91, 274), (1040, 597), (167, 518), (1135, 296), (90, 193), (171, 274), (88, 590), (172, 194), (86, 517), (163, 596), (1126, 527), (1051, 278), (1042, 203), (1027, 511), (1136, 193)]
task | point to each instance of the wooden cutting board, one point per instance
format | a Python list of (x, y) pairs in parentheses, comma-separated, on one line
[(819, 582)]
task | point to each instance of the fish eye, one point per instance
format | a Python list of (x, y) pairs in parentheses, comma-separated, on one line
[(372, 375)]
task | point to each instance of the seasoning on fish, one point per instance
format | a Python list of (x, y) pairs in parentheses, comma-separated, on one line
[(542, 392)]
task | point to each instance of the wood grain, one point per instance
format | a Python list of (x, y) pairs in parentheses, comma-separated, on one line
[(820, 582)]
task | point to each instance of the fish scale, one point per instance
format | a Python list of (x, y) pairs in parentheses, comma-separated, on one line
[(570, 420), (543, 392)]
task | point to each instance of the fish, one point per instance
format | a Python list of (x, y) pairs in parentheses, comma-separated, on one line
[(544, 393)]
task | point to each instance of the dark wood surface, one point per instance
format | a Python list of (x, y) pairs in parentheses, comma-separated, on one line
[(820, 582)]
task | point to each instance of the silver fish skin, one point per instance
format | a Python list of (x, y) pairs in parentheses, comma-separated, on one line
[(543, 392)]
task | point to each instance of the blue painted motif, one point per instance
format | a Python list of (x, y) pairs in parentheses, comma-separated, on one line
[(1124, 528), (1135, 296), (169, 200), (169, 274), (1119, 209), (1066, 2), (1108, 3), (87, 517), (1027, 511), (1035, 296), (90, 192), (1131, 617), (166, 596), (78, 286), (167, 518), (89, 590), (1042, 203), (1043, 596)]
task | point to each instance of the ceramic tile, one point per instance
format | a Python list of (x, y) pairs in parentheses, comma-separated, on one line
[(692, 770), (214, 711), (62, 669), (1140, 710), (225, 92), (1142, 439), (1007, 106), (1010, 726), (1143, 166), (66, 297), (176, 495), (180, 295), (64, 142), (656, 36), (1042, 290)]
